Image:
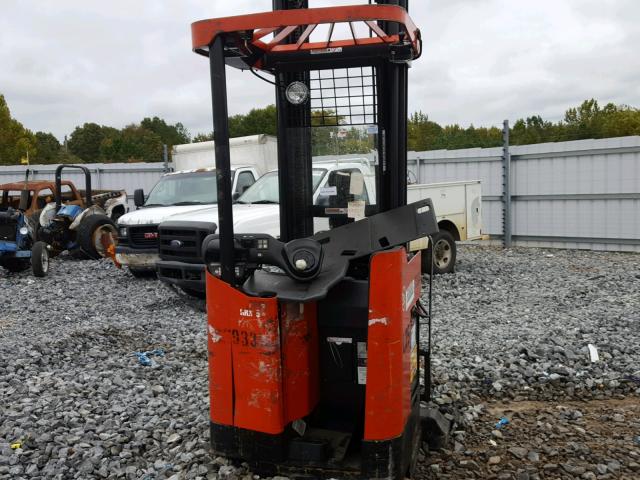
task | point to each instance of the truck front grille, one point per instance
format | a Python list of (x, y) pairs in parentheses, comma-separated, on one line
[(143, 236), (182, 241)]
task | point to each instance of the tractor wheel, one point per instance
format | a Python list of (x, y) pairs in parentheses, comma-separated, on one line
[(93, 232), (444, 259), (15, 264), (40, 259)]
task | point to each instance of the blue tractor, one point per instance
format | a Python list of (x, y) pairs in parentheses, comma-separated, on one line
[(18, 246)]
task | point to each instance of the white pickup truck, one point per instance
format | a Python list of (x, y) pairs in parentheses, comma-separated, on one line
[(457, 206), (178, 193)]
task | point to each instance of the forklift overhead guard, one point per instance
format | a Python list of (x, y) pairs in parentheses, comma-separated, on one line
[(244, 34)]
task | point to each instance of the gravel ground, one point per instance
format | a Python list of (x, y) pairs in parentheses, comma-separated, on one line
[(511, 335)]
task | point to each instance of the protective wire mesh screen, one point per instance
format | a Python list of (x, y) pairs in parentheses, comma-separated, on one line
[(345, 96)]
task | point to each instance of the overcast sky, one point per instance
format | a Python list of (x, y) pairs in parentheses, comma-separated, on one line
[(66, 62)]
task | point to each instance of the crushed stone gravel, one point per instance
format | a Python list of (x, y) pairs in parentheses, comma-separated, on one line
[(511, 336)]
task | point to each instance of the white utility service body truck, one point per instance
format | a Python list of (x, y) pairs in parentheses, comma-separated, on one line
[(457, 206), (191, 188)]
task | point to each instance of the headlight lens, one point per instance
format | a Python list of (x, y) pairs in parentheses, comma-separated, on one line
[(24, 230), (123, 231), (297, 93)]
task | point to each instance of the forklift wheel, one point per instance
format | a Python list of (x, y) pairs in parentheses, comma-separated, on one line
[(40, 259)]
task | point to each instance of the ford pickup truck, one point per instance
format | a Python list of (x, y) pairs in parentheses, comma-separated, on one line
[(457, 206)]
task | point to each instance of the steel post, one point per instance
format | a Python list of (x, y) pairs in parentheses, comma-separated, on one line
[(222, 158), (506, 186)]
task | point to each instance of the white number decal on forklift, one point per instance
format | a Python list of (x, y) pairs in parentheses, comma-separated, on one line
[(409, 295), (244, 312)]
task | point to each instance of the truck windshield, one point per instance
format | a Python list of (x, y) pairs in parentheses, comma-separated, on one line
[(265, 190), (193, 188)]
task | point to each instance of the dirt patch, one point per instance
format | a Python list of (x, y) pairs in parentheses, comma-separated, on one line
[(595, 439)]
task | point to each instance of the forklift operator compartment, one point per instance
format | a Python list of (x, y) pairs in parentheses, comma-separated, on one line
[(313, 336)]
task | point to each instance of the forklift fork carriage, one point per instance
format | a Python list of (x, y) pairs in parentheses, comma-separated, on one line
[(313, 337)]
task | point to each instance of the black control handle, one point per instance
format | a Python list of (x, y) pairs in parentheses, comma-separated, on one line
[(301, 259)]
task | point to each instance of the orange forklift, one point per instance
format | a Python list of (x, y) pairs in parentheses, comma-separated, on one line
[(313, 336)]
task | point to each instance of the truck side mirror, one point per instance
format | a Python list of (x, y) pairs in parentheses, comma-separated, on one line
[(138, 197), (24, 200)]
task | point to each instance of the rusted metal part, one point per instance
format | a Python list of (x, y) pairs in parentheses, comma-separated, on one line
[(108, 200), (109, 241)]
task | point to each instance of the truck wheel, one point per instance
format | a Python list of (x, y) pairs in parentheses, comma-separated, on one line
[(142, 272), (40, 259), (15, 264), (194, 293), (444, 259), (91, 233)]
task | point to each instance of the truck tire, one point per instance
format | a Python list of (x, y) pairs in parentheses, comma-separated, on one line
[(89, 233), (40, 259), (142, 272), (194, 293), (444, 259)]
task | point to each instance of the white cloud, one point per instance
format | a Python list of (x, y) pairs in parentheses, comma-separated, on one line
[(66, 63)]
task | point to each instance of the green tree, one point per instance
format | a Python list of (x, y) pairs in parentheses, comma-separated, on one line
[(423, 134), (203, 137), (133, 144), (48, 148), (170, 135), (85, 141), (15, 140), (257, 121)]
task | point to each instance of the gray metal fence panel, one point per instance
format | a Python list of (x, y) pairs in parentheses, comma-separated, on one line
[(578, 194)]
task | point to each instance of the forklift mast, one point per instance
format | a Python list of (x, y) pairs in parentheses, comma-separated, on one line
[(313, 364)]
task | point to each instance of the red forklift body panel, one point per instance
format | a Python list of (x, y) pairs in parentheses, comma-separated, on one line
[(392, 352), (262, 376)]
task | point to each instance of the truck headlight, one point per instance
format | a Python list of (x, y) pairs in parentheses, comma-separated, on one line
[(24, 230), (123, 231)]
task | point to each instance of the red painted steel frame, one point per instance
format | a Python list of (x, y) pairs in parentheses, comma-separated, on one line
[(259, 25), (263, 359), (395, 286)]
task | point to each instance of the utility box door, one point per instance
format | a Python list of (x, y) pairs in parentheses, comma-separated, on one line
[(474, 210)]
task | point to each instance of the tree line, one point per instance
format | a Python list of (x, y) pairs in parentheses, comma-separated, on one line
[(143, 142)]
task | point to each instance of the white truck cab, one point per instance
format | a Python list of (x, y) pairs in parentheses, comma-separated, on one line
[(258, 211), (176, 193)]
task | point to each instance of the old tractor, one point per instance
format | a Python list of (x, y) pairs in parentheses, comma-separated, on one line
[(83, 230), (18, 247)]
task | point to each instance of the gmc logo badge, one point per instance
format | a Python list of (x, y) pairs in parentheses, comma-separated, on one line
[(150, 235)]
